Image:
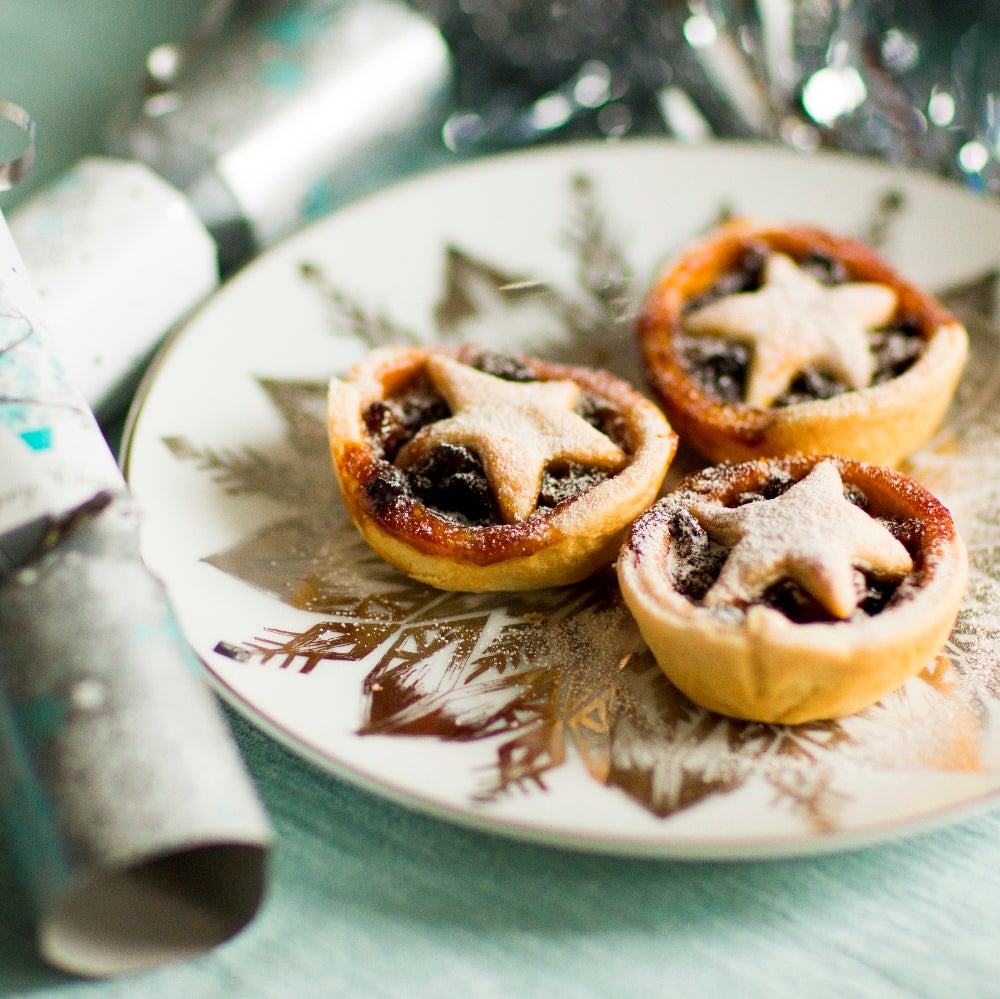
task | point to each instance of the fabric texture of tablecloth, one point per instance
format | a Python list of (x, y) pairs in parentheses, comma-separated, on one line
[(369, 899)]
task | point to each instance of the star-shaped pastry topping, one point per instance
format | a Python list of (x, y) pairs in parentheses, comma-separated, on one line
[(812, 534), (793, 321), (516, 428)]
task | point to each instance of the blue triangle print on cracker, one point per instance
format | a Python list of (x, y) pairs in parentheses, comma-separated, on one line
[(39, 439)]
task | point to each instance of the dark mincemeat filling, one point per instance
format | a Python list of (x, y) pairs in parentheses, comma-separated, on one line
[(719, 365), (698, 561), (450, 480)]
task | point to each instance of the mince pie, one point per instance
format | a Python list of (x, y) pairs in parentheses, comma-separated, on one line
[(794, 589), (767, 340), (474, 471)]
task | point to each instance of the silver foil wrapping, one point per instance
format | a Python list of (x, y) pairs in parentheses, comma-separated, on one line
[(136, 831)]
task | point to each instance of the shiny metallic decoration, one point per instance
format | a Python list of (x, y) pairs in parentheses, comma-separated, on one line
[(971, 113), (883, 78)]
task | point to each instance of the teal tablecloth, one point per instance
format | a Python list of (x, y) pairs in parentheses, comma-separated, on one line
[(369, 899)]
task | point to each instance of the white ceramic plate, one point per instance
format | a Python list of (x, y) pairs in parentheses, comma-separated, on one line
[(469, 706)]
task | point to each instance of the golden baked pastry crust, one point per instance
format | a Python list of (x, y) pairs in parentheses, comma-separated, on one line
[(755, 662), (881, 423), (553, 546)]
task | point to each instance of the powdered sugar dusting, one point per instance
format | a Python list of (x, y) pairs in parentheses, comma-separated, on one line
[(961, 466), (793, 321), (812, 534), (516, 428)]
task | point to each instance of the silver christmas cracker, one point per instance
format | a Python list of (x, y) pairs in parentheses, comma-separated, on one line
[(135, 829), (284, 111)]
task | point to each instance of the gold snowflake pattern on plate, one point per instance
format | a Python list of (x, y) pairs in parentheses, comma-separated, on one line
[(553, 673)]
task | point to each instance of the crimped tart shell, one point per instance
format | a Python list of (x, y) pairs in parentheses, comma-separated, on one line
[(762, 666), (882, 423), (551, 548)]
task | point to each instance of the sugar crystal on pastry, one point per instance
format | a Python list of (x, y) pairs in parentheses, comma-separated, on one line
[(794, 321)]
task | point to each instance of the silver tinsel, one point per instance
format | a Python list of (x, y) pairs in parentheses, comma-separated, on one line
[(909, 81)]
